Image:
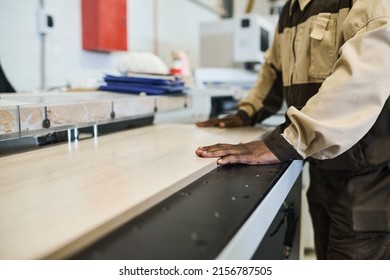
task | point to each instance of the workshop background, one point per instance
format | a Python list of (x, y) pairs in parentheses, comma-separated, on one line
[(33, 61), (157, 26)]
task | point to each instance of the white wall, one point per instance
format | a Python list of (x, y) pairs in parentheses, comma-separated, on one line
[(261, 7), (66, 62)]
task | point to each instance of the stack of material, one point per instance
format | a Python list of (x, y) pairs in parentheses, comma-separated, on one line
[(144, 83)]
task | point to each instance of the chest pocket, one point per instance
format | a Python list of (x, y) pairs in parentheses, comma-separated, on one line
[(322, 47), (308, 50)]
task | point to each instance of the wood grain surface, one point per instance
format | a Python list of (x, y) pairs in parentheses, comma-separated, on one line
[(22, 114), (56, 200)]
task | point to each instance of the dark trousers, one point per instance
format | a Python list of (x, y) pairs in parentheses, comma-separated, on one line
[(351, 213)]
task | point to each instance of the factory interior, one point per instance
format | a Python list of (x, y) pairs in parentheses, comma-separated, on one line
[(99, 101)]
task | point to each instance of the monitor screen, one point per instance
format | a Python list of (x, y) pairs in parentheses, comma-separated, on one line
[(245, 23), (264, 39)]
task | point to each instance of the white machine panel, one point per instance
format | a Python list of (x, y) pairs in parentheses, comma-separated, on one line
[(252, 37)]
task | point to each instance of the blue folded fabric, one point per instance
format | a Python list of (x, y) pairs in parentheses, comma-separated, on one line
[(150, 86)]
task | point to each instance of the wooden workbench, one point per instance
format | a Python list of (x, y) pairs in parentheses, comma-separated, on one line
[(56, 200)]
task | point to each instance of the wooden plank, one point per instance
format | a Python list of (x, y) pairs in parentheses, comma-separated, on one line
[(56, 200), (9, 120), (76, 109)]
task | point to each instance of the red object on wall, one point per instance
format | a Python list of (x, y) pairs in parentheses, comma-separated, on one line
[(104, 25)]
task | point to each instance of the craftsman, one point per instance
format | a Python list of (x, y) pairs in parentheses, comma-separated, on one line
[(330, 60)]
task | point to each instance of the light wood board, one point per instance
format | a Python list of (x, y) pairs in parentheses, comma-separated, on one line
[(22, 114), (56, 200)]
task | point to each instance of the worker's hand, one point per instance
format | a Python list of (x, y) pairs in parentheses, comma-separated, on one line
[(228, 121), (252, 153)]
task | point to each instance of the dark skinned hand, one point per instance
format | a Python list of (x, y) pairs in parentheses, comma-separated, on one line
[(228, 121), (252, 153)]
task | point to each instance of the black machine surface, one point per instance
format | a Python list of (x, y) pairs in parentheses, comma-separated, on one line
[(198, 221)]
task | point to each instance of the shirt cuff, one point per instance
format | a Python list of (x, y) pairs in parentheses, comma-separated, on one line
[(280, 147), (244, 117)]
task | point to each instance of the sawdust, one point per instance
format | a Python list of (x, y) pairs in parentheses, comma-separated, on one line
[(7, 121), (31, 115)]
